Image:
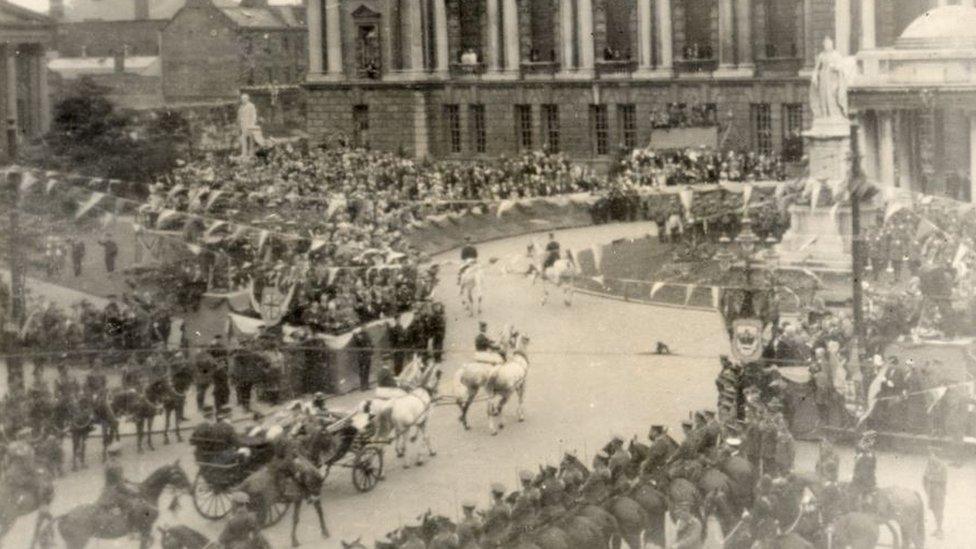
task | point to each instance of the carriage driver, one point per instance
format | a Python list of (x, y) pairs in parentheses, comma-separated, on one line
[(485, 349), (469, 256)]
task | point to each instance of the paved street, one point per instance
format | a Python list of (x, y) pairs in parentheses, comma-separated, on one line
[(590, 377)]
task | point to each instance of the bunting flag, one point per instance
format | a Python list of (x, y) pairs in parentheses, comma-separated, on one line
[(873, 390), (317, 244), (262, 238), (212, 199), (893, 207), (504, 206), (88, 205), (214, 227), (655, 287), (925, 228), (49, 186), (598, 279)]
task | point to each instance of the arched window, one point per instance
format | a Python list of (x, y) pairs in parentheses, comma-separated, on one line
[(698, 30), (542, 27), (782, 33), (618, 44)]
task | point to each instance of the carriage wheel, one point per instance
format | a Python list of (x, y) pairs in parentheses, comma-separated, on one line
[(275, 513), (367, 468), (211, 502)]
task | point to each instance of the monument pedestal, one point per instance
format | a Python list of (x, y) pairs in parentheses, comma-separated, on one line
[(820, 238)]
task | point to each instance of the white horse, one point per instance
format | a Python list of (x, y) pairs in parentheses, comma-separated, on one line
[(508, 379), (406, 414), (560, 273), (472, 376), (471, 283)]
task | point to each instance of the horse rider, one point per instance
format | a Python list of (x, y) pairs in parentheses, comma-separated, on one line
[(469, 256), (552, 252), (242, 530), (485, 349), (865, 481), (117, 492), (935, 481), (469, 529)]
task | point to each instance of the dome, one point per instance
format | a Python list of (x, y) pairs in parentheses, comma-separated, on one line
[(946, 27)]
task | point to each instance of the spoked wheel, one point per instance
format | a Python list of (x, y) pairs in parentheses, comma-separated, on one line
[(275, 513), (367, 468), (211, 502)]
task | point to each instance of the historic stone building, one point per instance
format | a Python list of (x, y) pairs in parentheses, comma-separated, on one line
[(468, 78), (25, 38), (916, 106)]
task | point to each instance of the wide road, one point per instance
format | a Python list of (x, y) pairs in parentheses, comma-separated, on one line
[(591, 376)]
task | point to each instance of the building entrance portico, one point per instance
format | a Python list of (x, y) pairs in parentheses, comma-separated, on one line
[(24, 39), (916, 107)]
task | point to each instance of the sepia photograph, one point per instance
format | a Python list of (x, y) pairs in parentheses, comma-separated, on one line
[(487, 274)]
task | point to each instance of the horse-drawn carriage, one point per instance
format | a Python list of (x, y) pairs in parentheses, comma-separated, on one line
[(326, 440)]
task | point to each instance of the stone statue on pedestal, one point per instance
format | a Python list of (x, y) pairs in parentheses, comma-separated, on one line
[(828, 84)]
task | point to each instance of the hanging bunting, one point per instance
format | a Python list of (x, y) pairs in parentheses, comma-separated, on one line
[(504, 206), (87, 206), (655, 287)]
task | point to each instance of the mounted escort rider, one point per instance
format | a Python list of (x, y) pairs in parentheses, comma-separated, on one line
[(469, 256), (487, 350), (552, 252)]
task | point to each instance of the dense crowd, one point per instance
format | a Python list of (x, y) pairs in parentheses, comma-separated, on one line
[(682, 115), (659, 168)]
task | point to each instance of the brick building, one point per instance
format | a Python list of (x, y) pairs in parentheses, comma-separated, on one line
[(469, 78), (211, 51)]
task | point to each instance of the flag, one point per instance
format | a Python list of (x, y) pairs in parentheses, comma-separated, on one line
[(49, 186), (504, 206), (655, 287), (873, 390), (598, 279), (892, 208), (214, 227), (214, 195), (92, 201), (933, 396)]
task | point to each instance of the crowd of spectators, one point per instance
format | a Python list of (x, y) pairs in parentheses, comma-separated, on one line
[(661, 168), (682, 115)]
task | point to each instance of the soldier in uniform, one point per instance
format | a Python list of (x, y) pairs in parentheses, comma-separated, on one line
[(864, 481), (242, 530), (469, 530), (499, 509), (935, 480), (689, 530)]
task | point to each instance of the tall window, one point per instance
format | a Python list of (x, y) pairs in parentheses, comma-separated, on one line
[(792, 131), (360, 125), (550, 127), (542, 27), (368, 56), (452, 127), (627, 114), (698, 30), (471, 13), (617, 47), (762, 127), (523, 126), (476, 117), (781, 32), (601, 129)]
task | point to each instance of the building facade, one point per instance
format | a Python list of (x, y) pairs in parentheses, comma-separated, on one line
[(25, 38), (470, 78), (916, 106), (210, 52)]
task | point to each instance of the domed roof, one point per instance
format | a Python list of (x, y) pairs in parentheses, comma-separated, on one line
[(944, 27)]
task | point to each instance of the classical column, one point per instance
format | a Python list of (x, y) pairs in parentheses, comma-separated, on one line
[(333, 37), (726, 36), (585, 16), (313, 16), (665, 43), (415, 21), (903, 149), (12, 85), (886, 149), (809, 48), (972, 157), (493, 54), (645, 58), (867, 24), (567, 36), (440, 35), (842, 27), (511, 34), (867, 137), (44, 93), (743, 39)]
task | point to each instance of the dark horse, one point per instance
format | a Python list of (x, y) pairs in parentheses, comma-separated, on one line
[(79, 423), (140, 409), (78, 526), (170, 395)]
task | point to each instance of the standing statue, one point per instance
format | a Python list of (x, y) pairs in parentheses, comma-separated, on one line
[(247, 117), (828, 84)]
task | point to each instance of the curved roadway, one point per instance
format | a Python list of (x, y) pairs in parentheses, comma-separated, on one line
[(591, 376)]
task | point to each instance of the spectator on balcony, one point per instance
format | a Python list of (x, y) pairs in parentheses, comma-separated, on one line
[(469, 57)]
